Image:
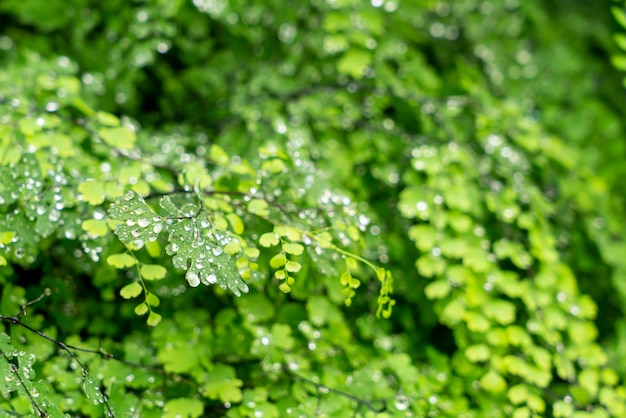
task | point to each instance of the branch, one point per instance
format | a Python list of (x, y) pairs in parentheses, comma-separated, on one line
[(15, 371), (323, 389)]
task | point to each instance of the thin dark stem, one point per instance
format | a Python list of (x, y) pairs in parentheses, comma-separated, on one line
[(232, 193), (323, 388), (23, 308), (15, 371)]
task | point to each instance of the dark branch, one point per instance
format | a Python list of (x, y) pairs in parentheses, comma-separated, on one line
[(323, 389)]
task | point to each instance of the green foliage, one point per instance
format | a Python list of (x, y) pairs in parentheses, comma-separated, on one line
[(454, 169)]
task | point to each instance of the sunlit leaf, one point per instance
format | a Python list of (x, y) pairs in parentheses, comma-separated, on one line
[(153, 271), (121, 261), (131, 290)]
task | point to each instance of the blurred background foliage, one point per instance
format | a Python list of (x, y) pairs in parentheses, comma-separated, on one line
[(484, 139)]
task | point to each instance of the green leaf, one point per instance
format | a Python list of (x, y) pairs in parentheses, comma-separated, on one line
[(256, 308), (269, 239), (121, 261), (6, 237), (154, 319), (293, 248), (223, 384), (107, 119), (152, 299), (292, 266), (252, 252), (278, 260), (493, 382), (500, 310), (207, 263), (153, 271), (140, 309), (281, 336), (589, 379), (518, 394), (95, 227), (437, 289), (92, 391), (218, 155), (425, 236), (345, 278), (195, 173), (141, 223), (477, 352), (183, 408), (274, 166), (354, 62), (258, 207), (131, 290), (232, 248), (153, 248), (235, 223), (92, 191), (562, 409), (620, 15), (536, 403), (453, 312), (121, 137)]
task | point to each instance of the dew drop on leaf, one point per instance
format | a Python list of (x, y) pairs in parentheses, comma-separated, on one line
[(193, 279), (143, 222)]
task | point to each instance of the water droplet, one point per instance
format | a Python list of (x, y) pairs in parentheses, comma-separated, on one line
[(402, 403), (193, 279), (265, 341), (157, 228), (54, 215), (174, 247), (217, 251), (143, 222), (130, 222), (212, 278)]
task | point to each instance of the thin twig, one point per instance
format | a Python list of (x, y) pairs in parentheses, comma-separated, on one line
[(323, 388), (15, 370)]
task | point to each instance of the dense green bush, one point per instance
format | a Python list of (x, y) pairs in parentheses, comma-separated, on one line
[(408, 208)]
